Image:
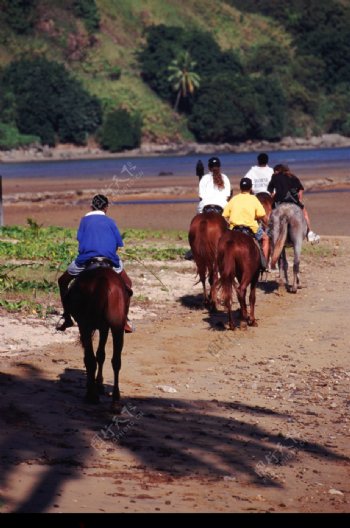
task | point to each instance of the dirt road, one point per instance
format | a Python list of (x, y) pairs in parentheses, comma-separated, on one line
[(214, 421)]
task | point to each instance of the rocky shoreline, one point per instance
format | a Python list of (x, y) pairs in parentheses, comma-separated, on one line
[(71, 152)]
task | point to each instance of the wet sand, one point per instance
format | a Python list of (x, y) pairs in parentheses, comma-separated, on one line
[(63, 202)]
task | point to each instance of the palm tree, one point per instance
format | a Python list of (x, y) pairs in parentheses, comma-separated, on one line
[(182, 76)]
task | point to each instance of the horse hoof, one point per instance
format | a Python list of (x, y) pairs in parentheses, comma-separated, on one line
[(253, 323), (243, 325)]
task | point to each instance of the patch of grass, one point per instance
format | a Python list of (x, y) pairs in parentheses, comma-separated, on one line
[(318, 250), (141, 298), (34, 242), (148, 234), (153, 253), (28, 307), (31, 258)]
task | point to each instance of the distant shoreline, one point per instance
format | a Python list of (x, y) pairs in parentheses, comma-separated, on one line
[(72, 152)]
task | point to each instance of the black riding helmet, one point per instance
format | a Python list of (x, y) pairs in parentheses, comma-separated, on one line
[(99, 202), (214, 162)]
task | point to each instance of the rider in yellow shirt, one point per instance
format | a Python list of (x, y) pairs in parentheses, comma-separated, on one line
[(244, 210)]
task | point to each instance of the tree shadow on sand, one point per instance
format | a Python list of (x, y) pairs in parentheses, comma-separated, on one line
[(37, 429), (45, 423), (202, 437)]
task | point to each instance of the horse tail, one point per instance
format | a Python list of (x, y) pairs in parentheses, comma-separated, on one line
[(203, 249), (209, 247), (227, 267), (281, 240)]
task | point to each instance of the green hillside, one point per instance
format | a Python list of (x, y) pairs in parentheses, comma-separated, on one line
[(121, 34), (93, 56)]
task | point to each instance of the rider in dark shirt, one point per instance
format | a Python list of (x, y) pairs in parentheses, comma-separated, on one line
[(285, 187)]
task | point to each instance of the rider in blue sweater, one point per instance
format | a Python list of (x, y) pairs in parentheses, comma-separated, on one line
[(98, 236)]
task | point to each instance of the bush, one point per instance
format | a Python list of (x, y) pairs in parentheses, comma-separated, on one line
[(10, 138), (242, 109), (19, 14), (120, 131), (49, 102), (114, 73), (87, 10)]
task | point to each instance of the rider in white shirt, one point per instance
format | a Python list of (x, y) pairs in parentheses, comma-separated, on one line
[(260, 174), (214, 187)]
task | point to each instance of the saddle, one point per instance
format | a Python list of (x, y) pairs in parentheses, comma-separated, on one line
[(98, 262), (244, 229), (211, 208)]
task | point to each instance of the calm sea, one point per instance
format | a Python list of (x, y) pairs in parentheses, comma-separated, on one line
[(233, 164)]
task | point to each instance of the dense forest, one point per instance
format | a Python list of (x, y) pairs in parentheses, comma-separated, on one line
[(117, 72)]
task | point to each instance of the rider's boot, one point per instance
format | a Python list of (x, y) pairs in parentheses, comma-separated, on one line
[(65, 322)]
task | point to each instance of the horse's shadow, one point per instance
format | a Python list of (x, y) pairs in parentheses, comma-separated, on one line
[(268, 286), (216, 319), (194, 302), (45, 422)]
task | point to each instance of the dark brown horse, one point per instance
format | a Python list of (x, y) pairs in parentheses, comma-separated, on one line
[(205, 232), (239, 267), (98, 300)]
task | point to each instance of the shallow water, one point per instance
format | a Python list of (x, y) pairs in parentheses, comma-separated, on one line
[(233, 164)]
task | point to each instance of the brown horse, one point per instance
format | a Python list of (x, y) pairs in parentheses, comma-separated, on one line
[(98, 300), (238, 260), (204, 235), (266, 200)]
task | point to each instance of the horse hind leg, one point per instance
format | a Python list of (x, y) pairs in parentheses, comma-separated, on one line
[(118, 341), (227, 300), (213, 281), (241, 296), (90, 365), (252, 298), (283, 269), (100, 357), (296, 274), (201, 271)]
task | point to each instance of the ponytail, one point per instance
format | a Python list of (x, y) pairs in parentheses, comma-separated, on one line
[(217, 177)]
